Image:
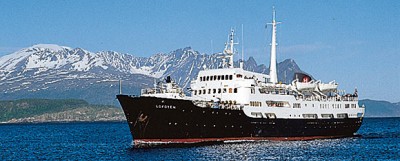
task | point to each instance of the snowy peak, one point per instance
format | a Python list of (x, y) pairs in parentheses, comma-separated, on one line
[(44, 57), (51, 47)]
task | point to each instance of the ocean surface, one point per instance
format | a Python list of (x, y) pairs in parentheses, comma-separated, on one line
[(379, 140)]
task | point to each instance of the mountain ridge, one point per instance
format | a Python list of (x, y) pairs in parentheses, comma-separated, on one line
[(49, 71)]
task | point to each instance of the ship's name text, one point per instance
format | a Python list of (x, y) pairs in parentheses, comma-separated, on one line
[(166, 106)]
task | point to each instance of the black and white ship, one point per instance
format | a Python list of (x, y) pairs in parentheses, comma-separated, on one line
[(232, 104)]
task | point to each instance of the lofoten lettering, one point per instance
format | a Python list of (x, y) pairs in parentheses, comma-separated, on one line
[(166, 106)]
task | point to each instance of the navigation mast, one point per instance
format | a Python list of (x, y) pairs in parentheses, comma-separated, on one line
[(229, 50), (272, 68)]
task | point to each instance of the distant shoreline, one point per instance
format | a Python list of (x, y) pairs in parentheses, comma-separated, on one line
[(113, 121), (61, 122)]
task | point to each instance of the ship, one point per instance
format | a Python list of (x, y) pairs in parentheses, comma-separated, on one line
[(230, 104)]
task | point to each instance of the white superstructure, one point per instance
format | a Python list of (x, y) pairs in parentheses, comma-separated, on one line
[(260, 95)]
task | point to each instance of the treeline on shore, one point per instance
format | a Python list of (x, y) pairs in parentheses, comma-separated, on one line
[(53, 110)]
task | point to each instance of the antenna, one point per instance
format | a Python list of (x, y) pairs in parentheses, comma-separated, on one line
[(242, 61)]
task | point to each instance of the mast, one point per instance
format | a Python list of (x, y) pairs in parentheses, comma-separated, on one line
[(272, 68), (229, 48)]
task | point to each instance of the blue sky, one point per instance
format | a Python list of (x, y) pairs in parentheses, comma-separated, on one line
[(356, 43)]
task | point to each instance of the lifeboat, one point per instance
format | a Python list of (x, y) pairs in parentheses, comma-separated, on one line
[(305, 86), (331, 86)]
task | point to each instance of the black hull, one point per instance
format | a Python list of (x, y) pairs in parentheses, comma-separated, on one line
[(154, 118)]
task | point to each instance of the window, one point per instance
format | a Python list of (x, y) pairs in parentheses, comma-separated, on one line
[(219, 90), (208, 78), (199, 92), (230, 77), (215, 77), (224, 90), (195, 92), (327, 115), (310, 116), (226, 77), (235, 90), (230, 90), (201, 79), (342, 115), (214, 90), (270, 115), (209, 91), (222, 77), (219, 77), (256, 114), (296, 105), (204, 91)]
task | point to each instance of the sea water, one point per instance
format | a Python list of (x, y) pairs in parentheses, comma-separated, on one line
[(379, 140)]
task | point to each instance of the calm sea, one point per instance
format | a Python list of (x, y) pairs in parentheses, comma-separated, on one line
[(380, 140)]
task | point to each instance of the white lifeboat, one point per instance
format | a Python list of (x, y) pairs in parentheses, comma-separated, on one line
[(328, 86), (305, 84)]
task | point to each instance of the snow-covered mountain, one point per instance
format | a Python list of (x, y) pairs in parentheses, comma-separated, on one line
[(52, 71)]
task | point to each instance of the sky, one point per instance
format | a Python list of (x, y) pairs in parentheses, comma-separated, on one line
[(356, 43)]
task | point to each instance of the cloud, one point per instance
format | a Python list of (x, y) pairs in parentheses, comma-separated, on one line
[(303, 48)]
